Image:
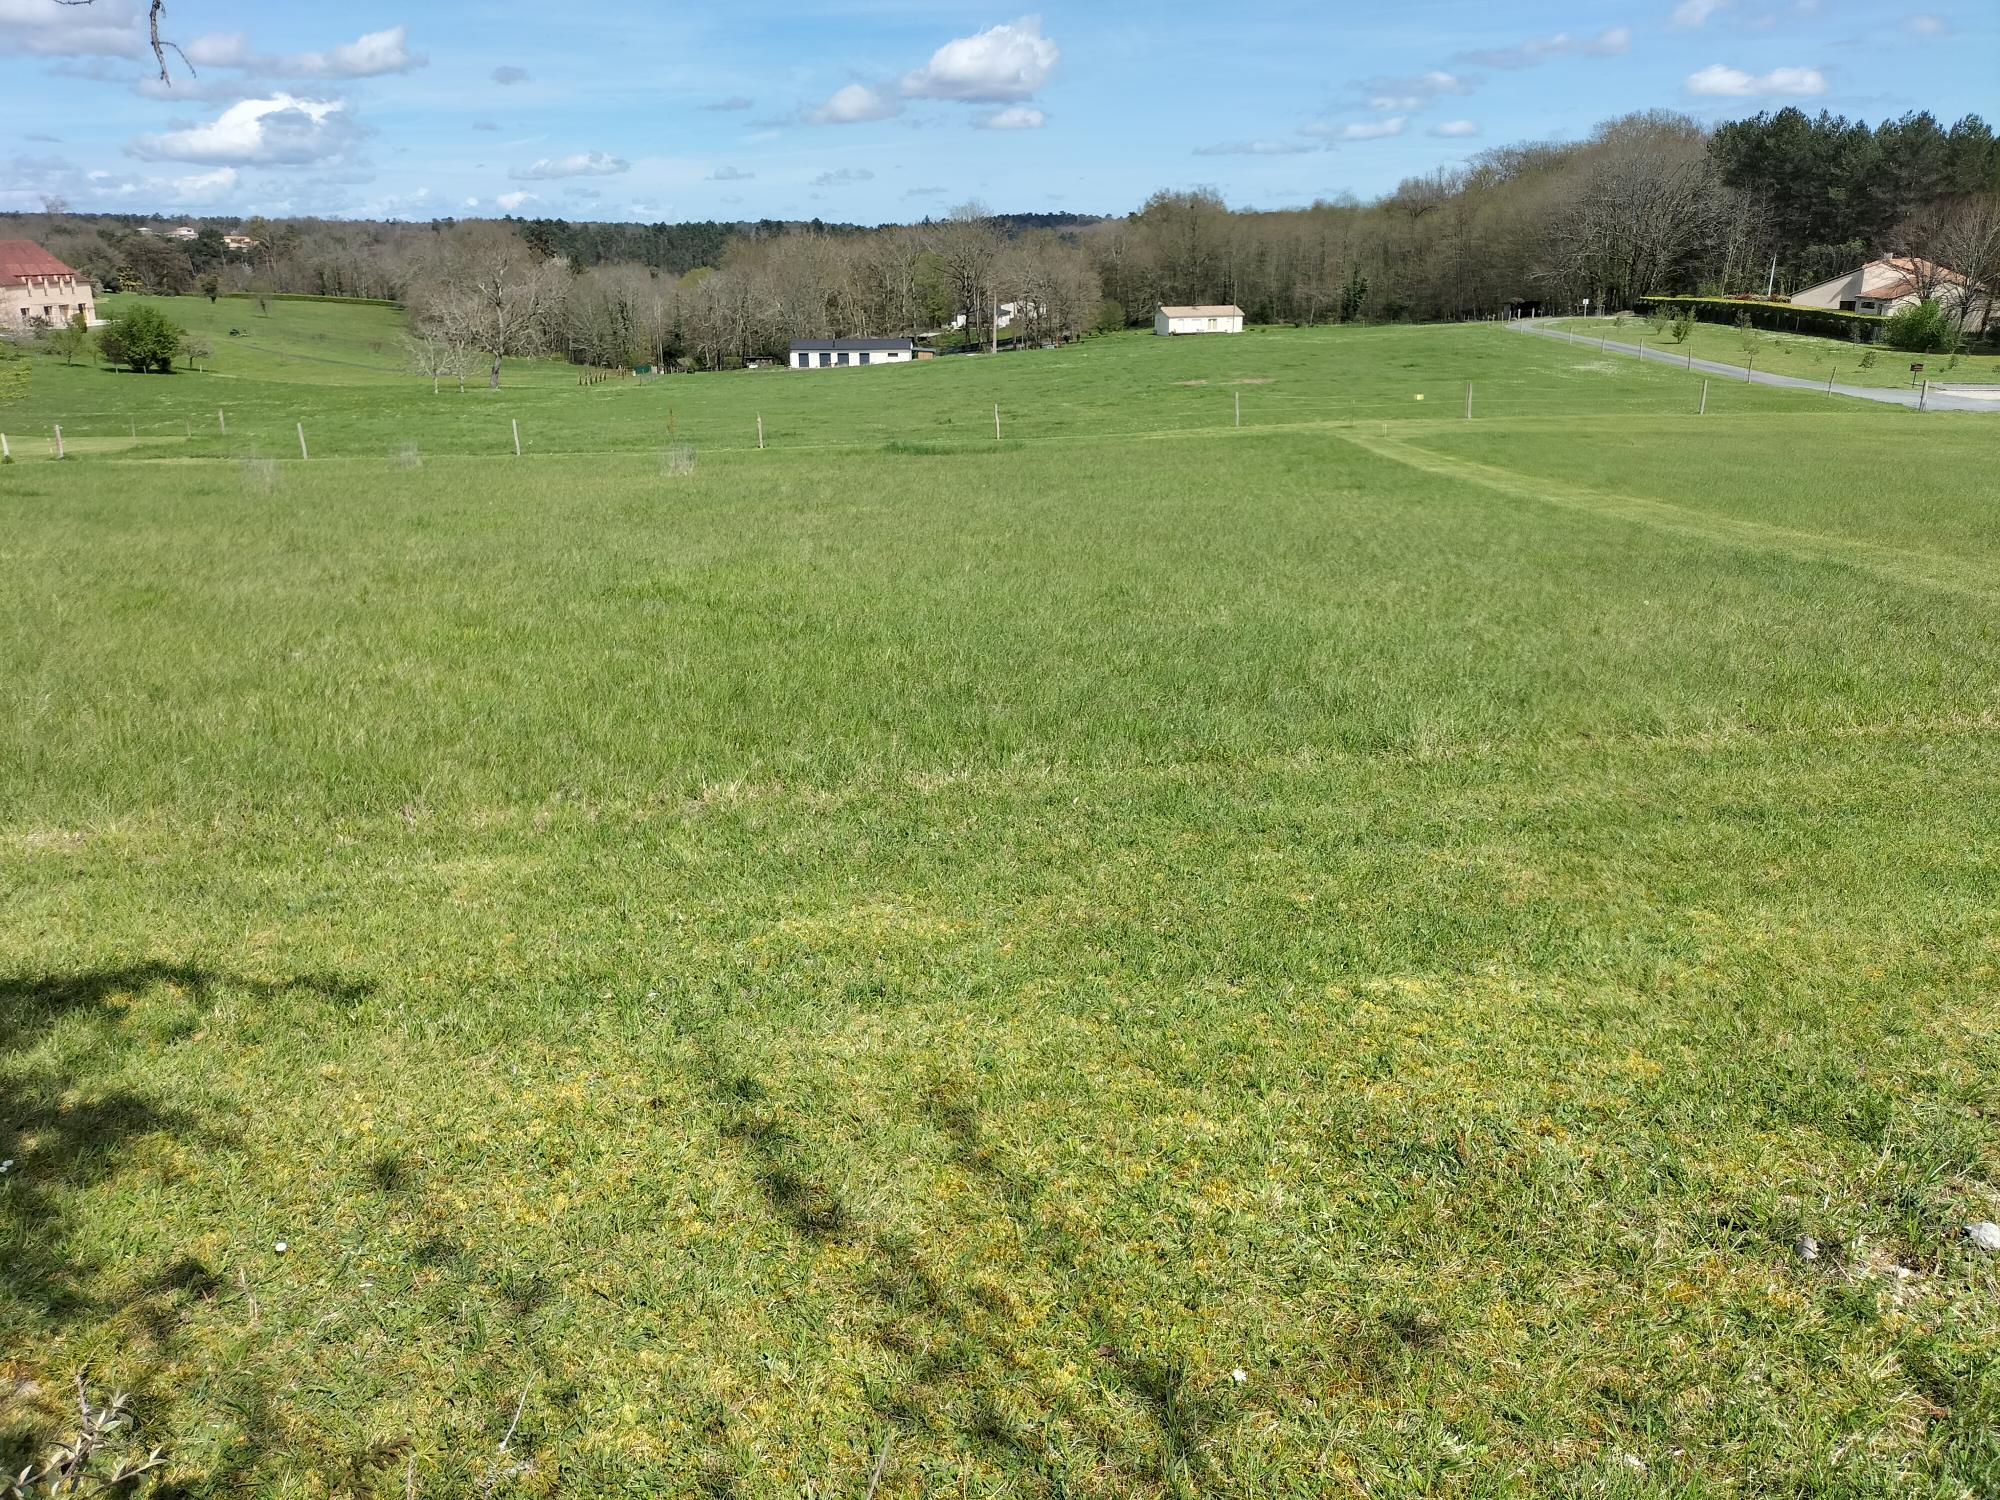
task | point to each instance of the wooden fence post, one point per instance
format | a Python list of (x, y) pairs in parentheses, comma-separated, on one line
[(996, 423), (59, 444), (222, 420), (1702, 411), (517, 435), (302, 441), (760, 432), (1239, 408), (1468, 401), (6, 453)]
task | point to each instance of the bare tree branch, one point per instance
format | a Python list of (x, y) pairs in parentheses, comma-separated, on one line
[(153, 30)]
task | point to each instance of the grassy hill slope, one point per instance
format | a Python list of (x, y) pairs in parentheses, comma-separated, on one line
[(1145, 959)]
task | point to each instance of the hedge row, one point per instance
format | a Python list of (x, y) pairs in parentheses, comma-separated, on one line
[(312, 297), (1779, 317)]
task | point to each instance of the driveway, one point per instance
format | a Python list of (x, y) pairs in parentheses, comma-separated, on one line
[(1941, 398)]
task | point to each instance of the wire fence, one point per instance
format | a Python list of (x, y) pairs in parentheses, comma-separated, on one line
[(1588, 381)]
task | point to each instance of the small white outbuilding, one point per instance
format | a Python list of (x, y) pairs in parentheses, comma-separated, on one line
[(1226, 318), (829, 354)]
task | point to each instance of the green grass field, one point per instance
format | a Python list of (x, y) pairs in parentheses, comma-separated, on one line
[(1807, 356), (1142, 959)]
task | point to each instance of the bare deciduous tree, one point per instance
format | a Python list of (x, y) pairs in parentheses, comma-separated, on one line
[(1954, 250), (435, 353), (967, 246), (488, 291)]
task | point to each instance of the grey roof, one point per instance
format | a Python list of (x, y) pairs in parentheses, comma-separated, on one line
[(851, 346)]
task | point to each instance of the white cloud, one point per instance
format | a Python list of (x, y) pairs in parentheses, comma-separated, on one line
[(577, 164), (29, 179), (37, 28), (1254, 148), (512, 201), (1720, 82), (857, 104), (1372, 130), (281, 131), (373, 56), (1695, 12), (1001, 65), (843, 177), (1615, 42), (1015, 117), (1400, 95), (1929, 28), (1455, 130), (206, 184)]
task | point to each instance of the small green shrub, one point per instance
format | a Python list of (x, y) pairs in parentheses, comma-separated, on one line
[(144, 338), (1921, 328)]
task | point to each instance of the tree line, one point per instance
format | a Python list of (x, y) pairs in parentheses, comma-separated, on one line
[(1649, 203)]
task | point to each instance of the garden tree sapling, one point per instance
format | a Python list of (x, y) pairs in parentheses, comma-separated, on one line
[(71, 339)]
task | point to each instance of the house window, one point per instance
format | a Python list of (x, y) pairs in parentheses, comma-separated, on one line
[(1847, 305), (825, 359), (843, 359), (864, 359)]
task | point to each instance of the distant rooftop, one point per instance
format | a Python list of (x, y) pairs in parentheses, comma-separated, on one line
[(20, 259), (1225, 310), (851, 346)]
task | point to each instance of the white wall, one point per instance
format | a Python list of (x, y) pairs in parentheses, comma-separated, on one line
[(1164, 325), (808, 359), (61, 295)]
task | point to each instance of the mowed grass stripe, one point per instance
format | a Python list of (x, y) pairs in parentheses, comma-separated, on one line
[(1903, 565)]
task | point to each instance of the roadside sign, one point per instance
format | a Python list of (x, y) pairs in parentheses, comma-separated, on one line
[(1916, 367)]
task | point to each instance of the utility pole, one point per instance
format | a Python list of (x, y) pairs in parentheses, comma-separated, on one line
[(1771, 285)]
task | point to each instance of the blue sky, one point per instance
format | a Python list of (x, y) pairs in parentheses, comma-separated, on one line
[(875, 110)]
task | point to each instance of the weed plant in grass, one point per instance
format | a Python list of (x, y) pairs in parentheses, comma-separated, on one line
[(1344, 957)]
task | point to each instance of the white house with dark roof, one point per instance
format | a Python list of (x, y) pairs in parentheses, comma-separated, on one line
[(831, 354), (1171, 322)]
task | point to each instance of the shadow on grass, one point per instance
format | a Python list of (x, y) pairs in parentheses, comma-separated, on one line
[(1184, 1414), (64, 1133), (957, 1355)]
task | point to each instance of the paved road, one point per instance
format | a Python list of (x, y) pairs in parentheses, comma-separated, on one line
[(1939, 400)]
